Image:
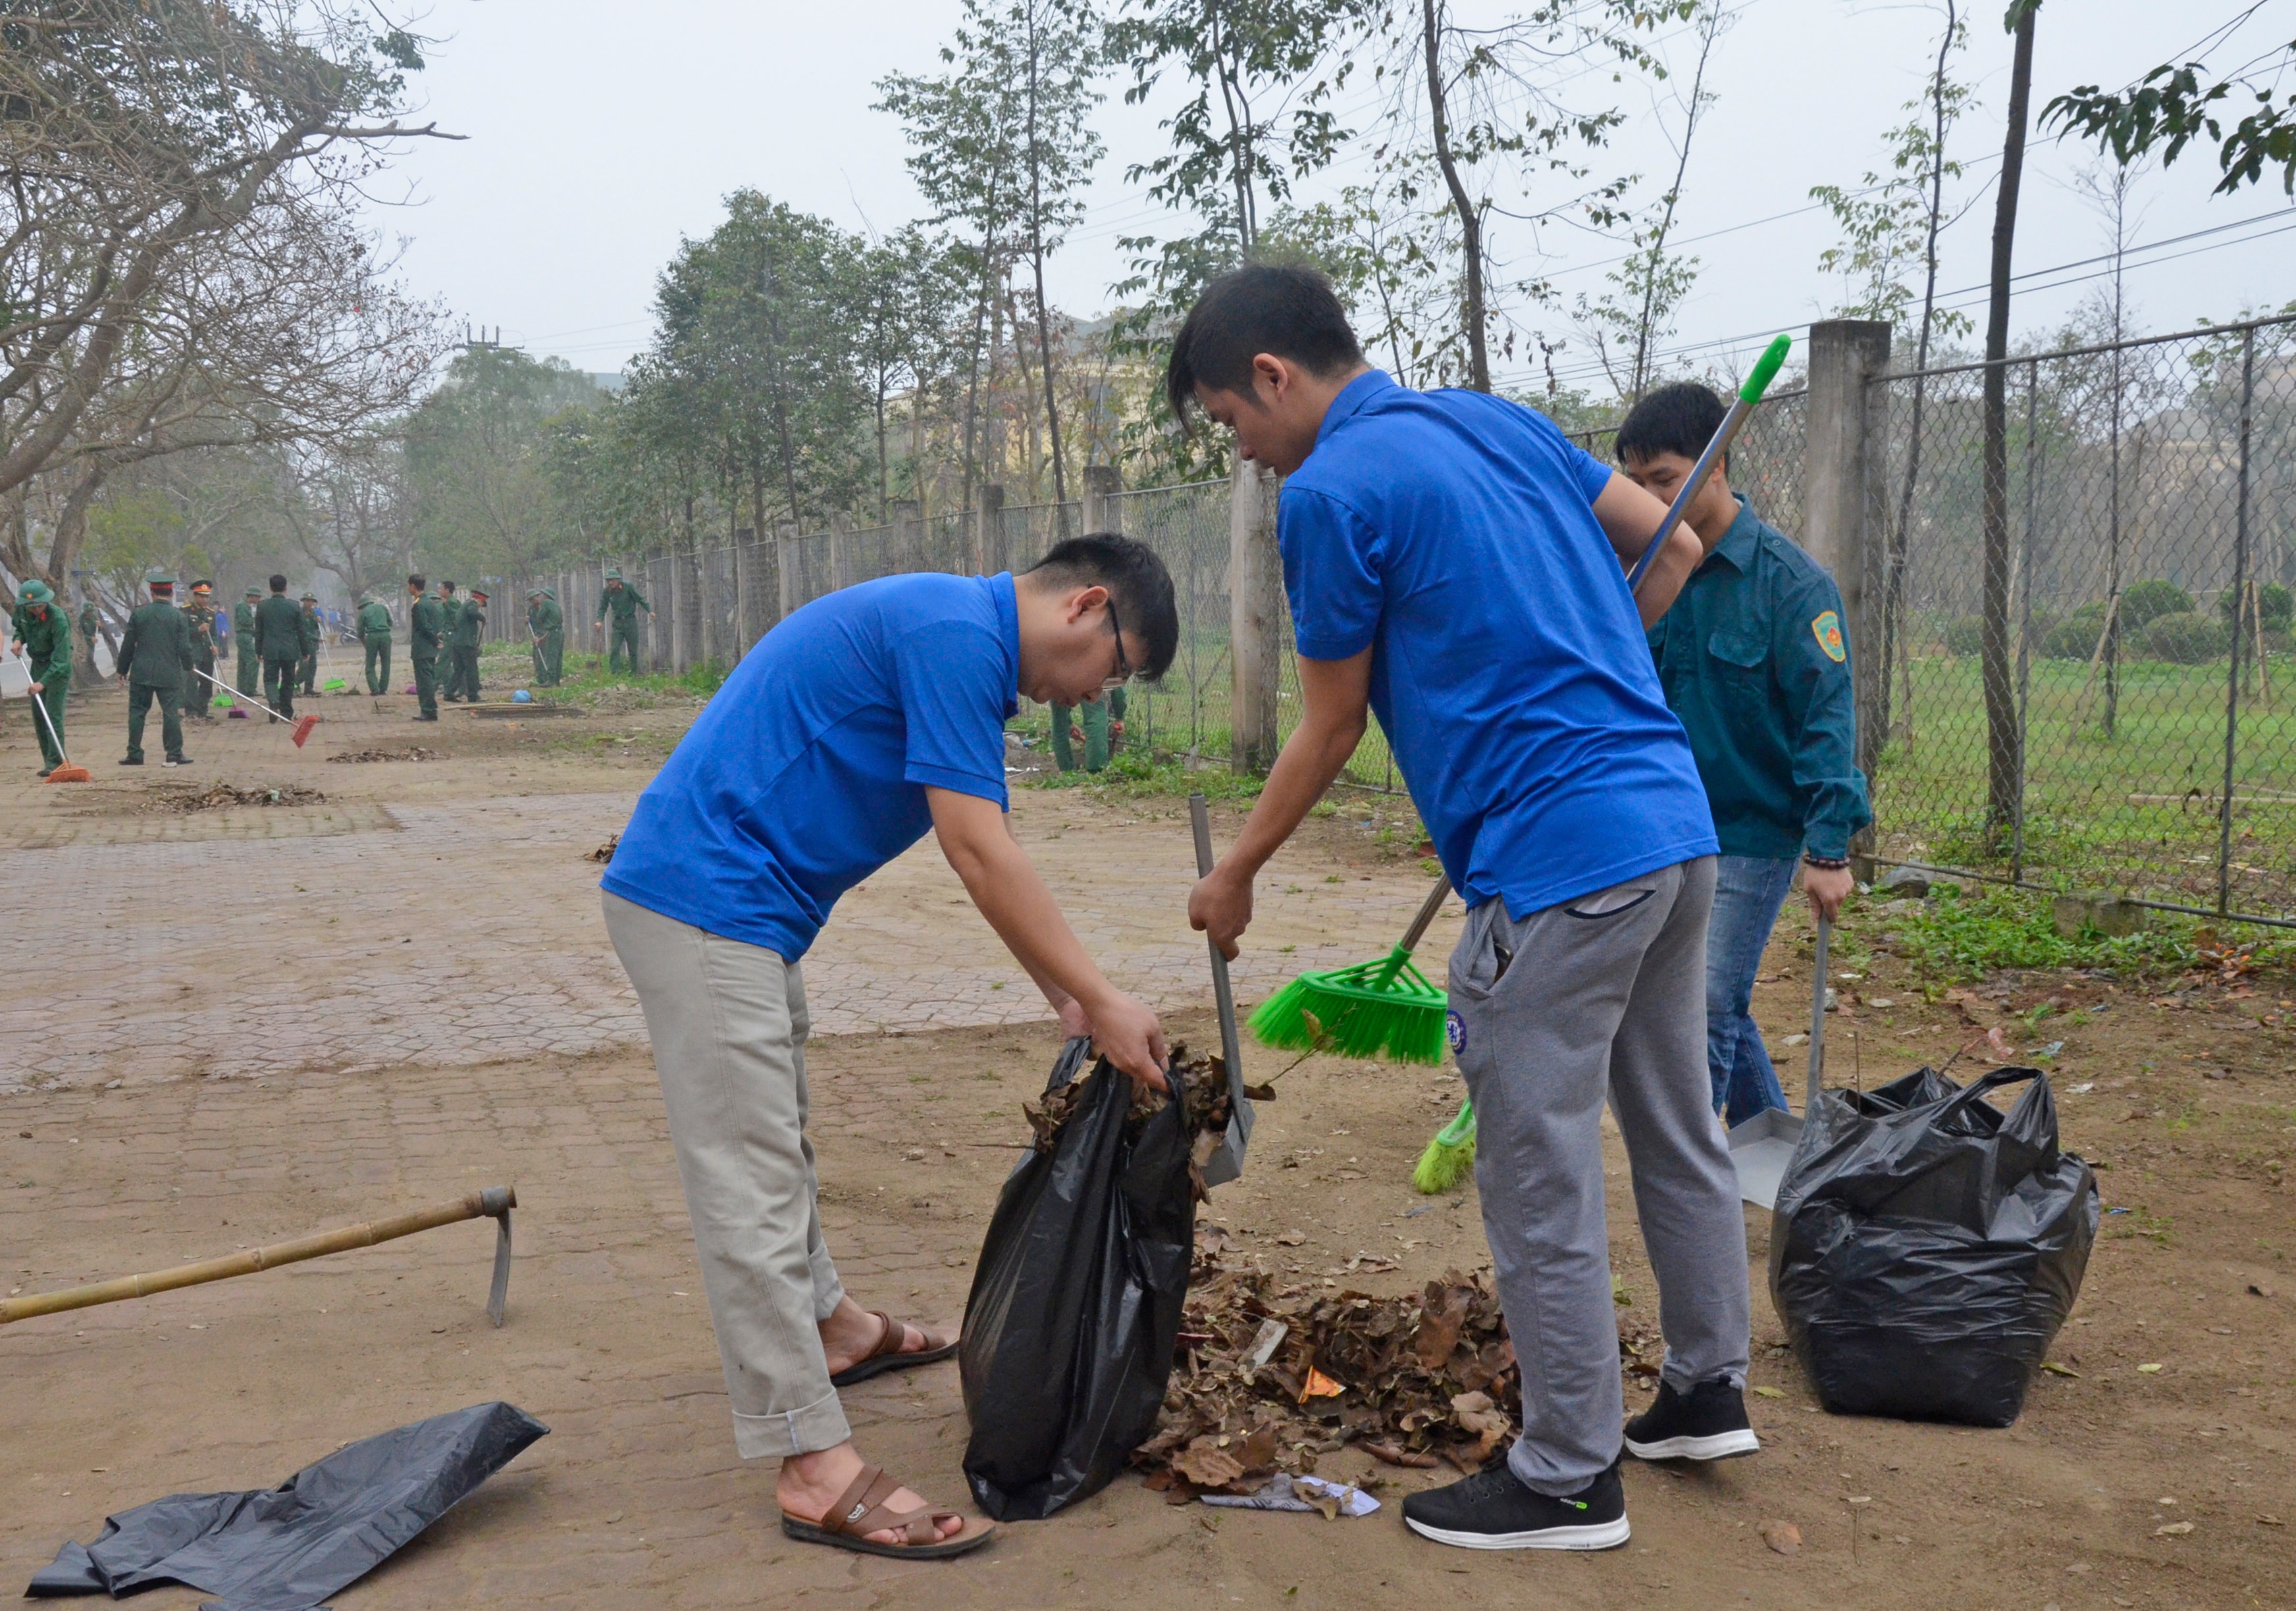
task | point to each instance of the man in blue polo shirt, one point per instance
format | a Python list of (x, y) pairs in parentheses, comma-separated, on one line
[(1456, 566), (1755, 661), (863, 720)]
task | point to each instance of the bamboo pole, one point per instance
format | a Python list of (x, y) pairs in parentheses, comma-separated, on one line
[(494, 1202)]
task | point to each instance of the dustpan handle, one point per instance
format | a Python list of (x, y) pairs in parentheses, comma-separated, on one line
[(1817, 1015)]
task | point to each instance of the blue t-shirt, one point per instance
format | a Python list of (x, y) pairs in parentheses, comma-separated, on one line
[(1453, 534), (808, 771)]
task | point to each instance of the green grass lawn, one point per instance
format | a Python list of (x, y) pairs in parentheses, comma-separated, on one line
[(2137, 809)]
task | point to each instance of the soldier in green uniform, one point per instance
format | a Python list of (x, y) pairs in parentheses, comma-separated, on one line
[(1102, 726), (547, 624), (469, 629), (619, 600), (426, 632), (450, 611), (43, 635), (308, 667), (155, 657), (201, 614), (281, 640), (84, 645), (374, 633), (242, 640)]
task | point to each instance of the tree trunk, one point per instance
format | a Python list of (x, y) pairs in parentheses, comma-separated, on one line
[(1036, 254), (1471, 226), (2003, 743)]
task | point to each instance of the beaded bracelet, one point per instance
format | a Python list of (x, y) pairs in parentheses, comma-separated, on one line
[(1825, 864)]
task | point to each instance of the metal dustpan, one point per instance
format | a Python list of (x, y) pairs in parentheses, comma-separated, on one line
[(1762, 1147), (1227, 1163)]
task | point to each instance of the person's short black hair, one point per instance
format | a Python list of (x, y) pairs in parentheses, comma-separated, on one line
[(1136, 580), (1678, 418), (278, 584), (449, 585), (416, 579), (1287, 309)]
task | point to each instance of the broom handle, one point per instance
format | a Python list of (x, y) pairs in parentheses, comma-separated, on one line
[(54, 736), (235, 694), (493, 1202), (1428, 908), (1817, 1017), (1201, 819)]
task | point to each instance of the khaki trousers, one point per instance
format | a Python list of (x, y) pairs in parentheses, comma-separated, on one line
[(728, 1025)]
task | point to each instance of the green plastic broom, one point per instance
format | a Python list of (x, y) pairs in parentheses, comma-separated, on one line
[(1373, 1008), (1452, 1152)]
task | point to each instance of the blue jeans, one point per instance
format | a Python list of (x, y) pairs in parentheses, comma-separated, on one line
[(1748, 891)]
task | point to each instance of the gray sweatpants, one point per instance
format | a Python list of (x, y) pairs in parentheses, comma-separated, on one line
[(728, 1025), (1601, 996)]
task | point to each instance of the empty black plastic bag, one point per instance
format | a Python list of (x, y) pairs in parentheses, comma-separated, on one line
[(1076, 1303), (1925, 1248), (289, 1547)]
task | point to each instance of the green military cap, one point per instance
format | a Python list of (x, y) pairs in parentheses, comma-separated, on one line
[(478, 593), (159, 578), (536, 592), (310, 598), (613, 574), (548, 594), (37, 592), (255, 593)]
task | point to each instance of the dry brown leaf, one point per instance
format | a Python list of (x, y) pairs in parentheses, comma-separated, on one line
[(1207, 1464), (1783, 1537)]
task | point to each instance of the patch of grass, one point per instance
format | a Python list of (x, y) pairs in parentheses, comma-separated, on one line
[(586, 674), (1968, 937), (1131, 775)]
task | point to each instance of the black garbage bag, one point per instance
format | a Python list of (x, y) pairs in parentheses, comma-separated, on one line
[(1076, 1302), (1925, 1248), (289, 1547)]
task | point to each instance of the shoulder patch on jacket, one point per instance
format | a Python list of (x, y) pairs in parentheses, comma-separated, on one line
[(1827, 627)]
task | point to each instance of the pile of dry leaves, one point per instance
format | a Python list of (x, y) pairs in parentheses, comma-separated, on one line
[(415, 753), (218, 796), (1203, 1080), (1269, 1377)]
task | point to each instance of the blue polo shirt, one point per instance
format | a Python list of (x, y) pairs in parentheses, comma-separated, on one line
[(808, 771), (1453, 534)]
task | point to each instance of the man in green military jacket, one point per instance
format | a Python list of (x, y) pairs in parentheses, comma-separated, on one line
[(155, 657), (308, 667), (242, 640), (622, 601), (469, 630), (426, 633), (43, 636), (282, 638), (374, 633), (450, 611), (547, 624), (201, 615), (84, 645)]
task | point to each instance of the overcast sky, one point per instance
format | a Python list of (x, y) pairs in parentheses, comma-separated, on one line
[(598, 134)]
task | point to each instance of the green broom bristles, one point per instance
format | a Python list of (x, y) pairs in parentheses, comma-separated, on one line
[(1449, 1156), (1373, 1008)]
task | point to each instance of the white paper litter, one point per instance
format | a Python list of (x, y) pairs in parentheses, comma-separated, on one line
[(1283, 1493)]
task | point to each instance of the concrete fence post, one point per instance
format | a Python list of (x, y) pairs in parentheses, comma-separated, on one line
[(786, 562), (1255, 618), (1844, 463), (841, 554), (908, 519), (1102, 506), (995, 554)]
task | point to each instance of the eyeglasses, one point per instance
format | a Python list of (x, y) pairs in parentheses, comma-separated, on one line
[(1123, 666)]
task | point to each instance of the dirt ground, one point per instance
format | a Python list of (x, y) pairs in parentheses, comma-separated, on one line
[(2182, 1094)]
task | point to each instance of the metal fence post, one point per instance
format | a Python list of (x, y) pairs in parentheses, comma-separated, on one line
[(1102, 483), (1255, 620), (2239, 620), (1843, 461), (2024, 582)]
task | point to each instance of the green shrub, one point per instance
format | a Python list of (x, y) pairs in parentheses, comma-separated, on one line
[(2185, 638), (2274, 604), (1965, 635), (2142, 602), (2074, 638)]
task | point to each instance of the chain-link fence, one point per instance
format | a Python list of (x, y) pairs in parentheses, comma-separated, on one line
[(2085, 656)]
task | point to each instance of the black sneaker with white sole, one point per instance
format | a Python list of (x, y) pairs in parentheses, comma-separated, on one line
[(1709, 1423), (1493, 1510)]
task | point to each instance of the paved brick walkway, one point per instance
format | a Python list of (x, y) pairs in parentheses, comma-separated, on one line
[(417, 919)]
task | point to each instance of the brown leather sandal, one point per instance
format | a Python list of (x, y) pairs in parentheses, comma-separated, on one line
[(848, 1523), (887, 1354)]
